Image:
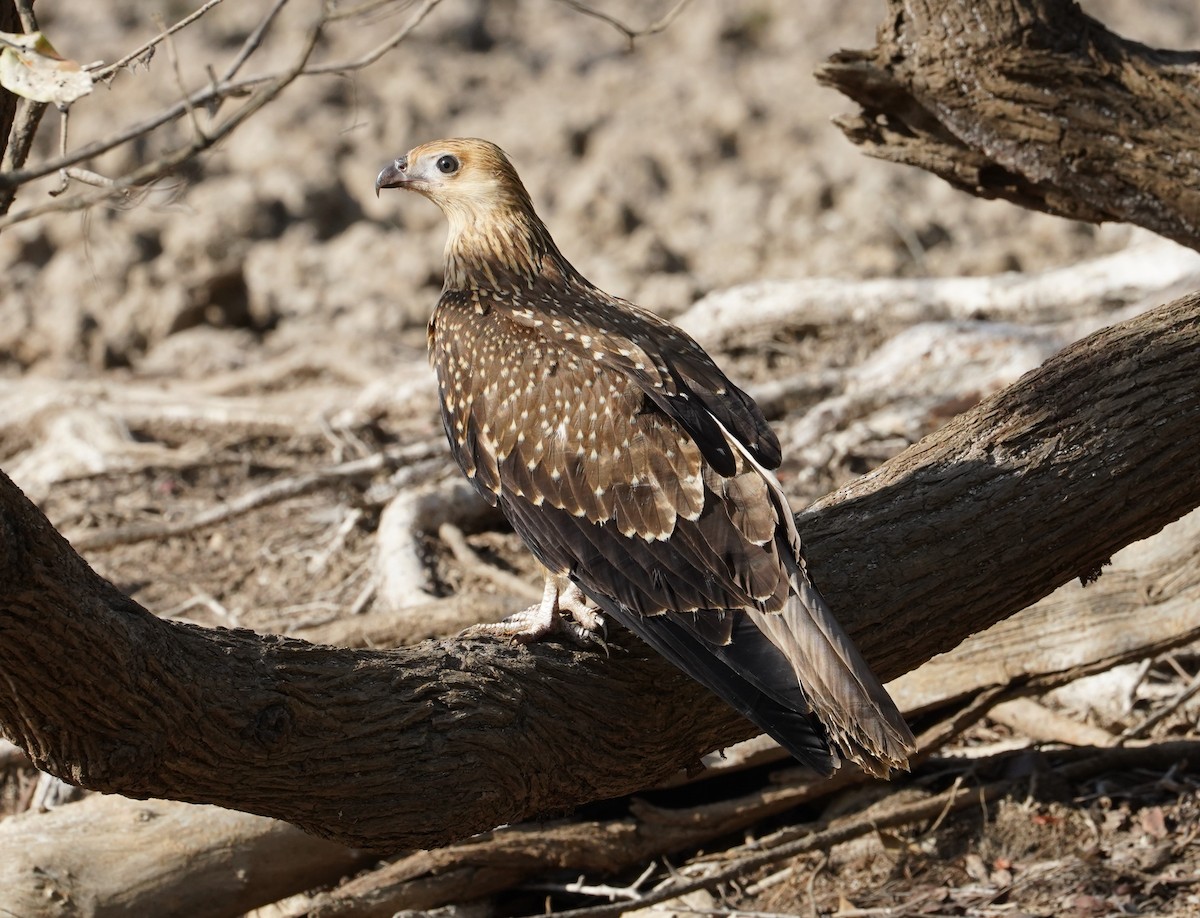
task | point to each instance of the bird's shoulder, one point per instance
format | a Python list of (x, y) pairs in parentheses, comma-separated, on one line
[(678, 376), (567, 315)]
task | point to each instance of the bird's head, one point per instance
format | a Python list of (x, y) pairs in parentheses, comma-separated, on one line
[(493, 227), (468, 179)]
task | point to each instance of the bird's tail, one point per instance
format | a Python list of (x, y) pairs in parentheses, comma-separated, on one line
[(794, 672), (861, 719), (748, 674)]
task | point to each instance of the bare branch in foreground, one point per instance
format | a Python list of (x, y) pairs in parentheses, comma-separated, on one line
[(104, 72), (19, 117), (488, 863), (1035, 486), (219, 90), (263, 88), (169, 161), (1155, 583)]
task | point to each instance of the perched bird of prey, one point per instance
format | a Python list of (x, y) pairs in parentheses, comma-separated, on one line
[(634, 470)]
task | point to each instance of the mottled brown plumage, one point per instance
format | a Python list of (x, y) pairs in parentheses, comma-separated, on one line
[(633, 469)]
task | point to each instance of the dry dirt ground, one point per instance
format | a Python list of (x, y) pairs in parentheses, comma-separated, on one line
[(262, 317)]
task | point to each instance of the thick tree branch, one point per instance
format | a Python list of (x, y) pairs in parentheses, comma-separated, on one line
[(1033, 102), (1082, 456), (417, 747)]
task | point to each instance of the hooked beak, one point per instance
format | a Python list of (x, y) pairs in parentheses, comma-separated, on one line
[(394, 175)]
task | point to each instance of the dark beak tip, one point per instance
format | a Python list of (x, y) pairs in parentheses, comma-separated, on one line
[(391, 176)]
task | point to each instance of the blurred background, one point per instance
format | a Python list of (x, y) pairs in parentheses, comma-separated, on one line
[(702, 158)]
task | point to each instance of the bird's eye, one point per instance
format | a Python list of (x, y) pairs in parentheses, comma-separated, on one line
[(447, 164)]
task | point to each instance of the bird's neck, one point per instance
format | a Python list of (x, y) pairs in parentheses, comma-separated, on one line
[(502, 248)]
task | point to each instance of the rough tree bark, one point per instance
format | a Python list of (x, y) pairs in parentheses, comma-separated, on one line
[(1033, 102), (417, 747)]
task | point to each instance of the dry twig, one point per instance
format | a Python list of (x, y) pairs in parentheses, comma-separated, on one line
[(104, 72), (275, 491), (630, 33), (824, 836), (1141, 729), (472, 563), (211, 96)]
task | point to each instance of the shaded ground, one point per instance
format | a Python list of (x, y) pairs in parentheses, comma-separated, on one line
[(1121, 844)]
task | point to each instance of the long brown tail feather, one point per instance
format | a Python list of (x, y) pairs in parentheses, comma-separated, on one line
[(861, 717), (765, 694), (862, 720)]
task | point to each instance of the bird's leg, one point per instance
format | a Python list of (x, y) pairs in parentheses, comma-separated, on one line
[(545, 618), (530, 624), (587, 616)]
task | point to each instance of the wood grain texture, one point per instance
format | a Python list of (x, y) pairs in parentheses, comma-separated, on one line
[(1154, 584), (417, 747), (105, 856), (1032, 102)]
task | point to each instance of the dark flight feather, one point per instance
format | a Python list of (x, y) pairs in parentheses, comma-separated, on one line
[(785, 720)]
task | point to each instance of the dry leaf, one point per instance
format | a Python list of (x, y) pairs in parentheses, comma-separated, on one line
[(1154, 822), (30, 67)]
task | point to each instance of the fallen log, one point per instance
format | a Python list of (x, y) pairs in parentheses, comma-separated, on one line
[(1076, 629), (1155, 583), (111, 856)]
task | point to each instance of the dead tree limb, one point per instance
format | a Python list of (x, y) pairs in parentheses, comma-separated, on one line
[(1070, 633), (1033, 102), (1155, 583), (109, 856), (418, 747)]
